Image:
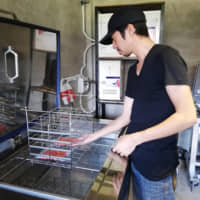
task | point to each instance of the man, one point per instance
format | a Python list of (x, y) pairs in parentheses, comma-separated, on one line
[(157, 105)]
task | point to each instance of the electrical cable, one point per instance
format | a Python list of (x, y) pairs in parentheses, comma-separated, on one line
[(81, 73), (84, 65), (83, 24), (84, 59)]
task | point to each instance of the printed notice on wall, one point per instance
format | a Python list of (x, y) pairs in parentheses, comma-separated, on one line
[(105, 50), (153, 19), (153, 24), (44, 41), (109, 80)]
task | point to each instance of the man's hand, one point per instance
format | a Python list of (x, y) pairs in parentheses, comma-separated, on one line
[(126, 144), (85, 139)]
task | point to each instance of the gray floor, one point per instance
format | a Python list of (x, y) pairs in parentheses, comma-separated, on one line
[(183, 189)]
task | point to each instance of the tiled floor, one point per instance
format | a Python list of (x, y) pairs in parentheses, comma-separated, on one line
[(183, 189)]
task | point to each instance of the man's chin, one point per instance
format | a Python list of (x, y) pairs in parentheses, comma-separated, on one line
[(123, 54)]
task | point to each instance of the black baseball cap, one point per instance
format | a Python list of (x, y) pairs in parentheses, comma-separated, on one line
[(123, 16)]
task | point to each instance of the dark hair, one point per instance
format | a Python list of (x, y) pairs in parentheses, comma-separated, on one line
[(140, 27)]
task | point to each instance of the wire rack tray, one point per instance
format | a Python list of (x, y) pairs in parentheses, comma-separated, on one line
[(11, 117), (51, 133)]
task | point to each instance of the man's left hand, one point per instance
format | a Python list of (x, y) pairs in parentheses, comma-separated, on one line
[(126, 144)]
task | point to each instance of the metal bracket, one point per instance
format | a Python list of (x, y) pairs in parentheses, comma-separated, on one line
[(85, 1)]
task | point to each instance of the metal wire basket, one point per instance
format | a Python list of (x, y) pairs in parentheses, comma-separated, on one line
[(51, 134)]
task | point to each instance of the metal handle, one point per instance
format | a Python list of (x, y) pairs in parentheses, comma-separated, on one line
[(11, 79)]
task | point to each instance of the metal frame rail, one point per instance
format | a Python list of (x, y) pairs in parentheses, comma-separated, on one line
[(194, 153), (194, 162)]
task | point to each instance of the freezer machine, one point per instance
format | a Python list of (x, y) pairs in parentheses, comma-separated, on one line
[(48, 167), (37, 159)]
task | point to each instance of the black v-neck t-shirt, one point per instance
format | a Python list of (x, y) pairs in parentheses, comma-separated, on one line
[(162, 66)]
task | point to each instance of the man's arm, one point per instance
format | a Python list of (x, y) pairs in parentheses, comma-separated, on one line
[(184, 117), (114, 125)]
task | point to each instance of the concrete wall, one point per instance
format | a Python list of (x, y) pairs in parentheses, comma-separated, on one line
[(181, 25), (63, 15)]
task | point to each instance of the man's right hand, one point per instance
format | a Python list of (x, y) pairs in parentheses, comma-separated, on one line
[(85, 139)]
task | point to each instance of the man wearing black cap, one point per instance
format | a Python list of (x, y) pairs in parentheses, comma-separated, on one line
[(157, 105)]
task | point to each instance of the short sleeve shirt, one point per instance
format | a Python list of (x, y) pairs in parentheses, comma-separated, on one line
[(162, 66)]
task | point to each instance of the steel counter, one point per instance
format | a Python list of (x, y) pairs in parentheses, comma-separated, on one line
[(22, 179)]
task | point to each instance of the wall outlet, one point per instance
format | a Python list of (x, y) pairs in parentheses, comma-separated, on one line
[(80, 85), (83, 85)]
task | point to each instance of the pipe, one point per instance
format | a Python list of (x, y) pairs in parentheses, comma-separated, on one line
[(32, 193), (84, 58), (83, 109), (84, 62), (81, 73), (83, 25)]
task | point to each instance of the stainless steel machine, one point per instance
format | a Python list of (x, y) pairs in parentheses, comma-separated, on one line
[(193, 156), (48, 167), (37, 160)]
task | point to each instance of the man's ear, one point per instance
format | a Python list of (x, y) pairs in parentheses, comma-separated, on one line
[(131, 29)]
